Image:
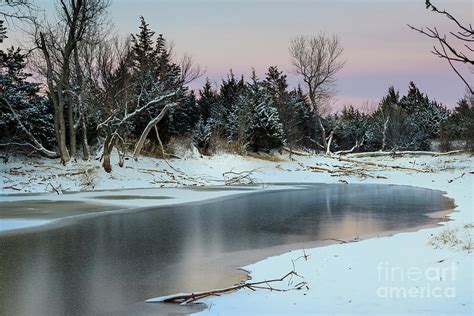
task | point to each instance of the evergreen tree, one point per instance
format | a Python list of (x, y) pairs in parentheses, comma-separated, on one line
[(407, 123), (459, 126), (304, 126), (208, 98), (352, 128), (184, 118), (154, 75), (293, 111), (144, 55), (228, 111), (202, 136), (265, 131), (422, 119), (33, 109)]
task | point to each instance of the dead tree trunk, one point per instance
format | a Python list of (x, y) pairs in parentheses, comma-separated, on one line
[(146, 131), (108, 147), (384, 136), (329, 142), (113, 127)]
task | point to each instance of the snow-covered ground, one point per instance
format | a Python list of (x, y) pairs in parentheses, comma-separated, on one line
[(420, 273)]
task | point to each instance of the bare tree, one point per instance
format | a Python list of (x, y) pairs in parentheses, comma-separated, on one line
[(190, 71), (457, 49), (119, 117), (58, 43), (12, 10), (120, 104), (317, 59)]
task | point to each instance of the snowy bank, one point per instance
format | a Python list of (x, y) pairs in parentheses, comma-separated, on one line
[(422, 273), (400, 275)]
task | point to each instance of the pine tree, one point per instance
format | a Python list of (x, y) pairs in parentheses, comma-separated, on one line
[(32, 108), (183, 119), (208, 98), (144, 55), (153, 75), (202, 136), (423, 119), (459, 126), (352, 128), (265, 131), (228, 111), (168, 72)]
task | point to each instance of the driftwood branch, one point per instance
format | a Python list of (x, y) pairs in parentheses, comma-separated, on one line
[(184, 299), (243, 177), (405, 153), (384, 166), (344, 171), (357, 145), (296, 152)]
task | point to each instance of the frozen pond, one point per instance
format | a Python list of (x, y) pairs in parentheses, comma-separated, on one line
[(111, 264)]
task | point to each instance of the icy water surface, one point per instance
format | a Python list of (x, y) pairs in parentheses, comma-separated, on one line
[(109, 265)]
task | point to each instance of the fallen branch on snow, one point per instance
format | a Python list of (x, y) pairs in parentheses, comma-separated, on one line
[(375, 164), (297, 152), (342, 241), (184, 299), (243, 177), (403, 153)]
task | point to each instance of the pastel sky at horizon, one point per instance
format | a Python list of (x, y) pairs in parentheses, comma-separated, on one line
[(380, 49)]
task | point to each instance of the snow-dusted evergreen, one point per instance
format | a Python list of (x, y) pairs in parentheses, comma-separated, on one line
[(21, 102)]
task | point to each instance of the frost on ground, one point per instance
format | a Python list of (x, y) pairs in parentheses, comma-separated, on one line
[(421, 273)]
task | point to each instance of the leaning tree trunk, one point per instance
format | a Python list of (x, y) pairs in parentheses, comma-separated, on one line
[(328, 143), (146, 131), (108, 147)]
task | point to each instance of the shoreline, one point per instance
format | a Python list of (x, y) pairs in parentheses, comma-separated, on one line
[(233, 263), (277, 251), (451, 175)]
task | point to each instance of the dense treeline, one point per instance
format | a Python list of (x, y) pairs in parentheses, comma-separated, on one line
[(132, 95)]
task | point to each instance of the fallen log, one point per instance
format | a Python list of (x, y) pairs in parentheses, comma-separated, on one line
[(375, 164), (405, 153), (296, 152)]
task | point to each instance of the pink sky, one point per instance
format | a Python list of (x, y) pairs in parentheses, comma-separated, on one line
[(240, 34)]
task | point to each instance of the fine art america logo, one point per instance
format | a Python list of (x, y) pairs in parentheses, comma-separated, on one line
[(414, 282)]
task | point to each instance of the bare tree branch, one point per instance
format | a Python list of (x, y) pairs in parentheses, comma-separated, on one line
[(36, 144), (448, 50)]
